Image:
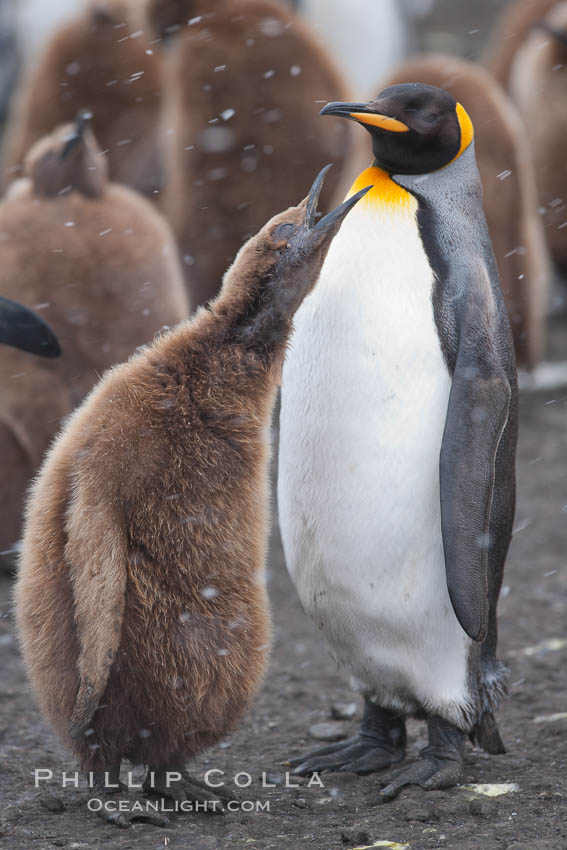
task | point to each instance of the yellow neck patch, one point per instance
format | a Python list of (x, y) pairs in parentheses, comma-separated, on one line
[(384, 192)]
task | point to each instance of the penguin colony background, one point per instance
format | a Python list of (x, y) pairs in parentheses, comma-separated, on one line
[(161, 278)]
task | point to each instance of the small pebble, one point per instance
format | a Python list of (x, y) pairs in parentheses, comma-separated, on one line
[(300, 803), (421, 815), (327, 731), (476, 808), (274, 779), (52, 804), (11, 814), (354, 838)]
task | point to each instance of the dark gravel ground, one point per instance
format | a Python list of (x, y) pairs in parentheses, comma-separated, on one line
[(302, 685)]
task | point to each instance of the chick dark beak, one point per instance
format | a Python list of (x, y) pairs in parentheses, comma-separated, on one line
[(335, 217), (82, 121), (365, 115)]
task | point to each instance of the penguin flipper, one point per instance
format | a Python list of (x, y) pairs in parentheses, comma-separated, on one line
[(21, 328), (96, 552), (477, 416)]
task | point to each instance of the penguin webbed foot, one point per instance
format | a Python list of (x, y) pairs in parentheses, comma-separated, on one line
[(380, 743), (440, 764), (125, 819), (112, 794), (163, 782)]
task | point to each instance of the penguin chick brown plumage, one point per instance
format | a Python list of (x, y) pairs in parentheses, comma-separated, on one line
[(102, 61), (242, 134), (513, 26), (102, 264), (397, 443), (538, 78), (140, 601)]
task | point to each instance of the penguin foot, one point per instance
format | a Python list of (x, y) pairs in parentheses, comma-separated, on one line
[(113, 804), (122, 811), (380, 743), (440, 764), (181, 787)]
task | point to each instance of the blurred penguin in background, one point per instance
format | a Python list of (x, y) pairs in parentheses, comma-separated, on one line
[(509, 191), (100, 264), (510, 31), (538, 84), (244, 81), (36, 20), (100, 60), (368, 38), (9, 58)]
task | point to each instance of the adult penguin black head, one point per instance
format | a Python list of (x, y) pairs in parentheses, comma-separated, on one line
[(415, 128)]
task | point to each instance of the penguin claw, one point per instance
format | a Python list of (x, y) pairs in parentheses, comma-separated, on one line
[(322, 751), (355, 755), (188, 789), (429, 773)]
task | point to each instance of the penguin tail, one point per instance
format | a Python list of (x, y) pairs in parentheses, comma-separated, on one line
[(487, 736)]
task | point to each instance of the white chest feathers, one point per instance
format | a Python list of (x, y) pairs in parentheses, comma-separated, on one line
[(364, 400)]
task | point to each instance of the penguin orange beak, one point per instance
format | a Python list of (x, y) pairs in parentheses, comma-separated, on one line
[(362, 113)]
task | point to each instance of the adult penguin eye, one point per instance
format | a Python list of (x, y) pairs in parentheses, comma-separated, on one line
[(430, 117)]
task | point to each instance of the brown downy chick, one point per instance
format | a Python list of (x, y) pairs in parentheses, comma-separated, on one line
[(538, 84), (141, 603), (511, 29), (101, 264), (100, 61), (509, 193), (244, 83)]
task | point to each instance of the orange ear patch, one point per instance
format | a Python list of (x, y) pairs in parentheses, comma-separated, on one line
[(374, 120), (467, 129)]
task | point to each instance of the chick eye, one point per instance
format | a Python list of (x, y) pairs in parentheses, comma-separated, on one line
[(283, 231)]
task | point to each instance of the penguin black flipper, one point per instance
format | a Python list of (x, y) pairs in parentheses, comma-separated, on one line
[(21, 328), (477, 462), (477, 416)]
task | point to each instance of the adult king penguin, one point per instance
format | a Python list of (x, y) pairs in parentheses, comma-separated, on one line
[(397, 444)]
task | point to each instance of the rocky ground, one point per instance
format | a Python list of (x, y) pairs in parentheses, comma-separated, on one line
[(301, 690)]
